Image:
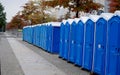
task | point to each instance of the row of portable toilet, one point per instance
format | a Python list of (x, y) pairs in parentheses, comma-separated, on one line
[(45, 36), (92, 42)]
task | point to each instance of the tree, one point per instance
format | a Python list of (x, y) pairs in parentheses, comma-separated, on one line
[(32, 13), (16, 23), (76, 5), (114, 5), (35, 12), (2, 18)]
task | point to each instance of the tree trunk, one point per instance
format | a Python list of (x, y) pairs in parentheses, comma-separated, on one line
[(77, 14), (77, 4)]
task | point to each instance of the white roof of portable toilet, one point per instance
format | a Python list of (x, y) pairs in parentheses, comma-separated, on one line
[(33, 26), (25, 27), (70, 21), (117, 12), (48, 23), (94, 18), (64, 21), (55, 23), (77, 20), (43, 24), (39, 24), (84, 19), (107, 16)]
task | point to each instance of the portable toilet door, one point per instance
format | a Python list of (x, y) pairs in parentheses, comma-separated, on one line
[(113, 46), (24, 33), (67, 38), (79, 43), (88, 45), (44, 36), (55, 37), (40, 36), (62, 41), (47, 36), (50, 38), (34, 35), (30, 34), (99, 46), (71, 52), (66, 44), (37, 35)]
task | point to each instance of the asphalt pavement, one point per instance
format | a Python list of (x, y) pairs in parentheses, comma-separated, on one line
[(9, 62), (12, 55)]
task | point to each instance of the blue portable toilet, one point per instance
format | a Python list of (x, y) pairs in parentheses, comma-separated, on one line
[(34, 34), (99, 52), (42, 32), (55, 37), (45, 37), (26, 38), (79, 41), (62, 38), (67, 38), (29, 30), (49, 37), (113, 44), (31, 34), (39, 32), (24, 33), (88, 44), (40, 35), (72, 53)]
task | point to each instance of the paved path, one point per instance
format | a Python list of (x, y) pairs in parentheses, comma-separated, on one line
[(9, 63), (21, 58), (32, 63)]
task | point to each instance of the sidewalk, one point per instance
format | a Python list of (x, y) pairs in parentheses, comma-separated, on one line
[(31, 60), (32, 63), (9, 63)]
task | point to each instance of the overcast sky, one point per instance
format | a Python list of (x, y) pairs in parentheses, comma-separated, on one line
[(12, 7)]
